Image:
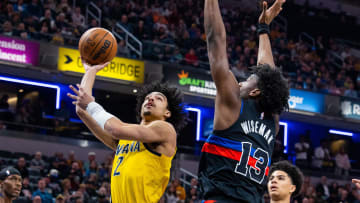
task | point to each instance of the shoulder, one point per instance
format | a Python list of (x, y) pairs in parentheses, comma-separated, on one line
[(162, 127)]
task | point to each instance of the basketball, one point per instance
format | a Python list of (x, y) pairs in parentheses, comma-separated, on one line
[(97, 46)]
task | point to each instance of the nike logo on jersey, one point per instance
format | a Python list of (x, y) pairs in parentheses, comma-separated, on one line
[(126, 148), (261, 129)]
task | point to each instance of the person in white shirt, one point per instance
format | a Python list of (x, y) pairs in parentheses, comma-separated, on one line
[(321, 155), (301, 149), (342, 163)]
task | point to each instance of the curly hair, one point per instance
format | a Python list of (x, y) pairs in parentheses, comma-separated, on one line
[(274, 89), (293, 171), (174, 98)]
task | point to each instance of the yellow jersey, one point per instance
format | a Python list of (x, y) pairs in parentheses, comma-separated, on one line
[(139, 174)]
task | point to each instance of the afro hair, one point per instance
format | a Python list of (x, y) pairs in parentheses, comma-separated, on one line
[(174, 98), (274, 89)]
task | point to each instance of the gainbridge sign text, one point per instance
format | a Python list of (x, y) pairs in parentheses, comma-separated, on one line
[(119, 68)]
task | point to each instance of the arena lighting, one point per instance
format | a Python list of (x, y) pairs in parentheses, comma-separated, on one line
[(198, 112), (339, 132), (41, 84), (285, 136)]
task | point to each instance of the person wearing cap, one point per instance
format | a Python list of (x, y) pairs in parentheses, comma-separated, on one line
[(91, 158), (60, 199), (10, 184)]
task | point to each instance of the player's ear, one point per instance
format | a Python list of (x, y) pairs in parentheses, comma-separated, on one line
[(255, 92), (292, 189), (167, 113)]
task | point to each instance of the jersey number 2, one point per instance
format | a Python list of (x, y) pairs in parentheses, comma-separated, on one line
[(257, 173), (119, 161)]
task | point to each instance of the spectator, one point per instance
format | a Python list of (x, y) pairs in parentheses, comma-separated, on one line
[(75, 175), (34, 9), (66, 189), (351, 92), (54, 183), (180, 191), (60, 199), (21, 166), (7, 28), (78, 19), (123, 50), (301, 149), (322, 158), (342, 163), (26, 189), (37, 162), (44, 195), (37, 199), (170, 195), (93, 169), (191, 58), (177, 57), (323, 189)]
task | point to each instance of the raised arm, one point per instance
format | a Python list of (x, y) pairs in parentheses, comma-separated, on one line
[(265, 55), (226, 84), (87, 83)]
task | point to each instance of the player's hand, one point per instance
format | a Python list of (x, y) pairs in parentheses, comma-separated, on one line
[(356, 182), (94, 67), (82, 99), (268, 15)]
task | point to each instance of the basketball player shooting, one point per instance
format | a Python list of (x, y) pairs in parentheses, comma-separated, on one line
[(143, 152), (235, 160)]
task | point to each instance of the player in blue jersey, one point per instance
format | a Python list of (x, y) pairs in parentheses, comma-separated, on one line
[(235, 160)]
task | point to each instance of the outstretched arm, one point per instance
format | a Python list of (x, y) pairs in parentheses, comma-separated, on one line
[(265, 55), (87, 82), (226, 84)]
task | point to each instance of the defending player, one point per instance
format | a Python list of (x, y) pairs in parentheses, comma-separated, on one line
[(235, 160)]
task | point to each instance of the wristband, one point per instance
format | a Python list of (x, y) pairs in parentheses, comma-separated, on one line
[(98, 113), (263, 28)]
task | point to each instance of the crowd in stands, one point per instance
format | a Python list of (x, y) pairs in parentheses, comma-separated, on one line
[(59, 178), (172, 32), (329, 156), (63, 179)]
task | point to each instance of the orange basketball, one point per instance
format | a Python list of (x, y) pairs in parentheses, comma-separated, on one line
[(97, 46)]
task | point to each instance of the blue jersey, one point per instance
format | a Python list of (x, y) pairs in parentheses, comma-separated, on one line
[(235, 162)]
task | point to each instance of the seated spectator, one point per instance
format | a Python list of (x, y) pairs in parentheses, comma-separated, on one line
[(26, 191), (123, 50), (351, 92), (66, 189), (191, 58), (7, 28), (342, 163), (322, 189), (37, 162), (37, 199), (301, 149), (170, 195), (44, 195), (60, 199), (21, 166), (180, 191), (54, 182), (75, 175)]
